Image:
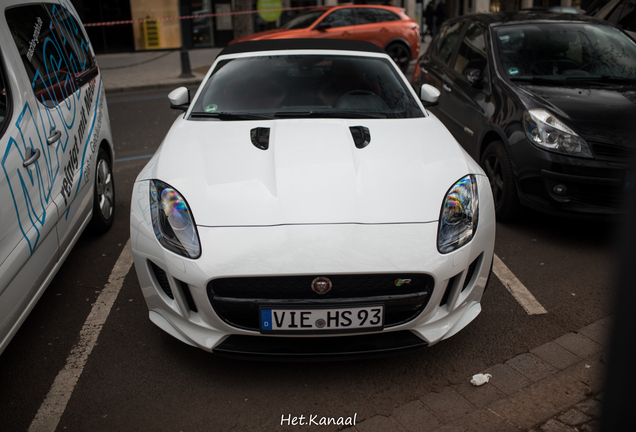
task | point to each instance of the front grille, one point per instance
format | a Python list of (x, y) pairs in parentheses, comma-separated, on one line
[(237, 300), (319, 349), (611, 152)]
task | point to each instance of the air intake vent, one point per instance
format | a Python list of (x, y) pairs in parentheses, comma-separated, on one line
[(470, 272), (361, 136), (260, 138), (162, 279), (188, 295)]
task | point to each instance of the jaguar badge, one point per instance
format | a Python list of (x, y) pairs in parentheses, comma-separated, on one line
[(321, 285)]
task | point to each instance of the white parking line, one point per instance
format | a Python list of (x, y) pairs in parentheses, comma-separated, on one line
[(53, 407), (517, 289)]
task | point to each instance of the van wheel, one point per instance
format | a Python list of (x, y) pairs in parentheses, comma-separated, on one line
[(400, 55), (103, 195), (497, 165)]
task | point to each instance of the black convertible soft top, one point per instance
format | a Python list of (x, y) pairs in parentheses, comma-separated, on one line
[(300, 44)]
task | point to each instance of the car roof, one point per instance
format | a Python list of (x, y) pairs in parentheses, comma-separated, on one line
[(300, 44), (505, 18)]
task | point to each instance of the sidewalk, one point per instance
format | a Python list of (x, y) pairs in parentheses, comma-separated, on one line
[(147, 70), (153, 69), (556, 387)]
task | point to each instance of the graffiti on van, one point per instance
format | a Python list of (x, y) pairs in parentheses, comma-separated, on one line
[(64, 55)]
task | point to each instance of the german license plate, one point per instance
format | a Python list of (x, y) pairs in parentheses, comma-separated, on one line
[(322, 320)]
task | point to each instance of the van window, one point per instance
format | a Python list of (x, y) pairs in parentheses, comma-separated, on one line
[(53, 49), (73, 39), (5, 100)]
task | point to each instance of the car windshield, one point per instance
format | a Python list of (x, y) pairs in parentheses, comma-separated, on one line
[(305, 86), (303, 20), (566, 53)]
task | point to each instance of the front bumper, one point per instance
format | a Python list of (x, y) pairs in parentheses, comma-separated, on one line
[(566, 185), (177, 289)]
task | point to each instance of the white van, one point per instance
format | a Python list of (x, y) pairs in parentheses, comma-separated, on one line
[(56, 150)]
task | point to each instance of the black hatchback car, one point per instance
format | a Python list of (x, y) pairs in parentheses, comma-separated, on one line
[(545, 102)]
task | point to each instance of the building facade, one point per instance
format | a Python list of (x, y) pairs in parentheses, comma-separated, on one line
[(153, 24)]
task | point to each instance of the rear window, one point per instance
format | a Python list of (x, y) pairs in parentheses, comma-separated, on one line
[(301, 85)]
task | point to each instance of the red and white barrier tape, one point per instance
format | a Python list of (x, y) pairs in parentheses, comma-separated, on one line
[(111, 23)]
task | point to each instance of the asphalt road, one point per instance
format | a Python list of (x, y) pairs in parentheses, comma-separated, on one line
[(139, 378)]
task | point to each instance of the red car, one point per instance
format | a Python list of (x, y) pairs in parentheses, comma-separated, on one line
[(386, 26)]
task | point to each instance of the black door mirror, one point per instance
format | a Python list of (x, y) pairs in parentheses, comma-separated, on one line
[(322, 26), (473, 76)]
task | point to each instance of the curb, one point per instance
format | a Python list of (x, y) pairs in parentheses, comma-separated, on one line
[(193, 82), (554, 387)]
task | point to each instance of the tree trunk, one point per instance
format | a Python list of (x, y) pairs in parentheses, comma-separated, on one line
[(243, 24)]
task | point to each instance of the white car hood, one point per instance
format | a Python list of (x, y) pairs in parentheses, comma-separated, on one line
[(312, 172)]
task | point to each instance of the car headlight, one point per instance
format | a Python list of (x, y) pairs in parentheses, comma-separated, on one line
[(172, 221), (459, 215), (546, 131)]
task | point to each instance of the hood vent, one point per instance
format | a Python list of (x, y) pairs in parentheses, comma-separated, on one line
[(260, 138), (361, 136)]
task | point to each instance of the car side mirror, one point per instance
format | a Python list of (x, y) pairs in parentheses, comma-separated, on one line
[(473, 76), (180, 98), (322, 26), (429, 95)]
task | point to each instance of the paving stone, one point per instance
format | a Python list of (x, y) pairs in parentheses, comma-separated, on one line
[(415, 417), (608, 321), (537, 402), (446, 405), (378, 424), (574, 418), (555, 355), (579, 345), (483, 420), (480, 396), (591, 407), (506, 380), (593, 426), (556, 426), (530, 367), (586, 377), (597, 332)]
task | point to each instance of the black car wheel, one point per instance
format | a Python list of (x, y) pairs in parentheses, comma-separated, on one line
[(400, 55), (497, 165), (104, 195)]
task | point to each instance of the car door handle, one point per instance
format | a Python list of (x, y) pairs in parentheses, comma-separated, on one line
[(384, 29), (446, 88), (346, 33), (32, 159), (55, 135)]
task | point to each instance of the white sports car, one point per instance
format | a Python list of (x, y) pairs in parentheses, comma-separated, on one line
[(307, 206)]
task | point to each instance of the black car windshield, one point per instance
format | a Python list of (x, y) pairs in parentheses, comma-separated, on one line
[(564, 53), (300, 86), (303, 20)]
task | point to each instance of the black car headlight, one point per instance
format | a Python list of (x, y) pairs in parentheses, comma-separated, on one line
[(548, 132), (172, 221), (459, 215)]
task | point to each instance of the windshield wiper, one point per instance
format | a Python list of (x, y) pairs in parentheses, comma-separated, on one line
[(602, 79), (538, 79), (328, 114), (232, 116), (594, 79)]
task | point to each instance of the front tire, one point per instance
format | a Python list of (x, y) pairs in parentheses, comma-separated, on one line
[(103, 194), (400, 54), (496, 163)]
